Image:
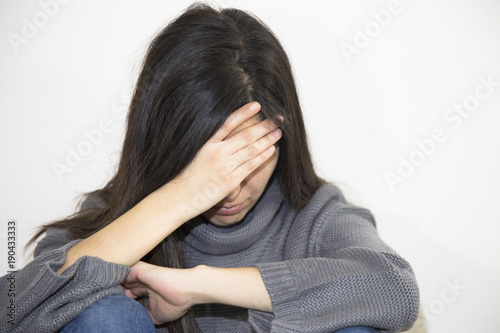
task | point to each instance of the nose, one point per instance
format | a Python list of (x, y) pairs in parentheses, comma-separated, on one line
[(234, 194)]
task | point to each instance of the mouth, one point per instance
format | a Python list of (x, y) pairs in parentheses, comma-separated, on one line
[(229, 210)]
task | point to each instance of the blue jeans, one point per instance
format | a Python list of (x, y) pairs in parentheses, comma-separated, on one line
[(122, 314), (114, 313)]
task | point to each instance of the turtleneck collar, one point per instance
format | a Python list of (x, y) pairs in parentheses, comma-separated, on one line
[(210, 239)]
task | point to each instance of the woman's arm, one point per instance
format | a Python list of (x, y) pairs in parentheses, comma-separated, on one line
[(37, 299), (173, 291), (131, 236), (349, 277), (45, 300), (242, 287), (216, 170), (352, 277)]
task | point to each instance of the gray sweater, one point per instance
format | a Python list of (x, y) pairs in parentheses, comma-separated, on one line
[(324, 267)]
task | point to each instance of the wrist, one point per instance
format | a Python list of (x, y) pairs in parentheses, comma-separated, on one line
[(242, 287), (197, 289), (180, 206), (164, 203)]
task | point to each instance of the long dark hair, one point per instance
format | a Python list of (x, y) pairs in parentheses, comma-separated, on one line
[(200, 68)]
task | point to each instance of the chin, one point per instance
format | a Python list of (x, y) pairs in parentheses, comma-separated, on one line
[(225, 220)]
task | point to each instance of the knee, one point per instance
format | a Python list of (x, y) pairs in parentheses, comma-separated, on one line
[(113, 313)]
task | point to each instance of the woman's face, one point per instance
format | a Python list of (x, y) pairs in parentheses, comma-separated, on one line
[(238, 203)]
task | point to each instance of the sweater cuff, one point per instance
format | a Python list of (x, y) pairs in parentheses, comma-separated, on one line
[(281, 287), (103, 273)]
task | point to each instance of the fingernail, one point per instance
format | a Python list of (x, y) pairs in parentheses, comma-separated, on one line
[(281, 118), (254, 106)]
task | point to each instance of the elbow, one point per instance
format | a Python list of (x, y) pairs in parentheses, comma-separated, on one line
[(406, 294), (409, 300)]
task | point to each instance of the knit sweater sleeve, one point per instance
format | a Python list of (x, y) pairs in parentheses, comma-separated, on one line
[(350, 277), (38, 299)]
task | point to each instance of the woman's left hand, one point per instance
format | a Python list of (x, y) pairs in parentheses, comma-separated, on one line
[(166, 288), (173, 291)]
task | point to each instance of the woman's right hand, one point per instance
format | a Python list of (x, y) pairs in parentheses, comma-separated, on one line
[(222, 163)]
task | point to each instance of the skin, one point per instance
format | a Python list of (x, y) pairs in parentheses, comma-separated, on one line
[(172, 292), (233, 167), (247, 193)]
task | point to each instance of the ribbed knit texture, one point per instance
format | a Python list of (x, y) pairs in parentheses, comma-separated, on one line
[(324, 267), (45, 300)]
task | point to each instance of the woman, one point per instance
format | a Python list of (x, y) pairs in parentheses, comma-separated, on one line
[(216, 208)]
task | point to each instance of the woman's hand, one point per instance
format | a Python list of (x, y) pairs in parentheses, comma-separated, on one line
[(173, 291), (220, 166), (223, 163), (167, 289)]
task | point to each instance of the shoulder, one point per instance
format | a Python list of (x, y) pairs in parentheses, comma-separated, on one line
[(332, 223), (329, 222), (329, 203)]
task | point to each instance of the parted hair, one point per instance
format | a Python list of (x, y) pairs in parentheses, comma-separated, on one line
[(200, 68)]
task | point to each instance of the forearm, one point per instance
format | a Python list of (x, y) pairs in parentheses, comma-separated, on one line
[(218, 168), (242, 287), (127, 239)]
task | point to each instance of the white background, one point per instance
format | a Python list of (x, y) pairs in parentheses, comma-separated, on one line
[(68, 68)]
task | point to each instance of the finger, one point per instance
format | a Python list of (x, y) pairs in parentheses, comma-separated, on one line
[(252, 156), (136, 287), (245, 169), (237, 118), (132, 276), (130, 294), (252, 134), (136, 291), (248, 167)]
